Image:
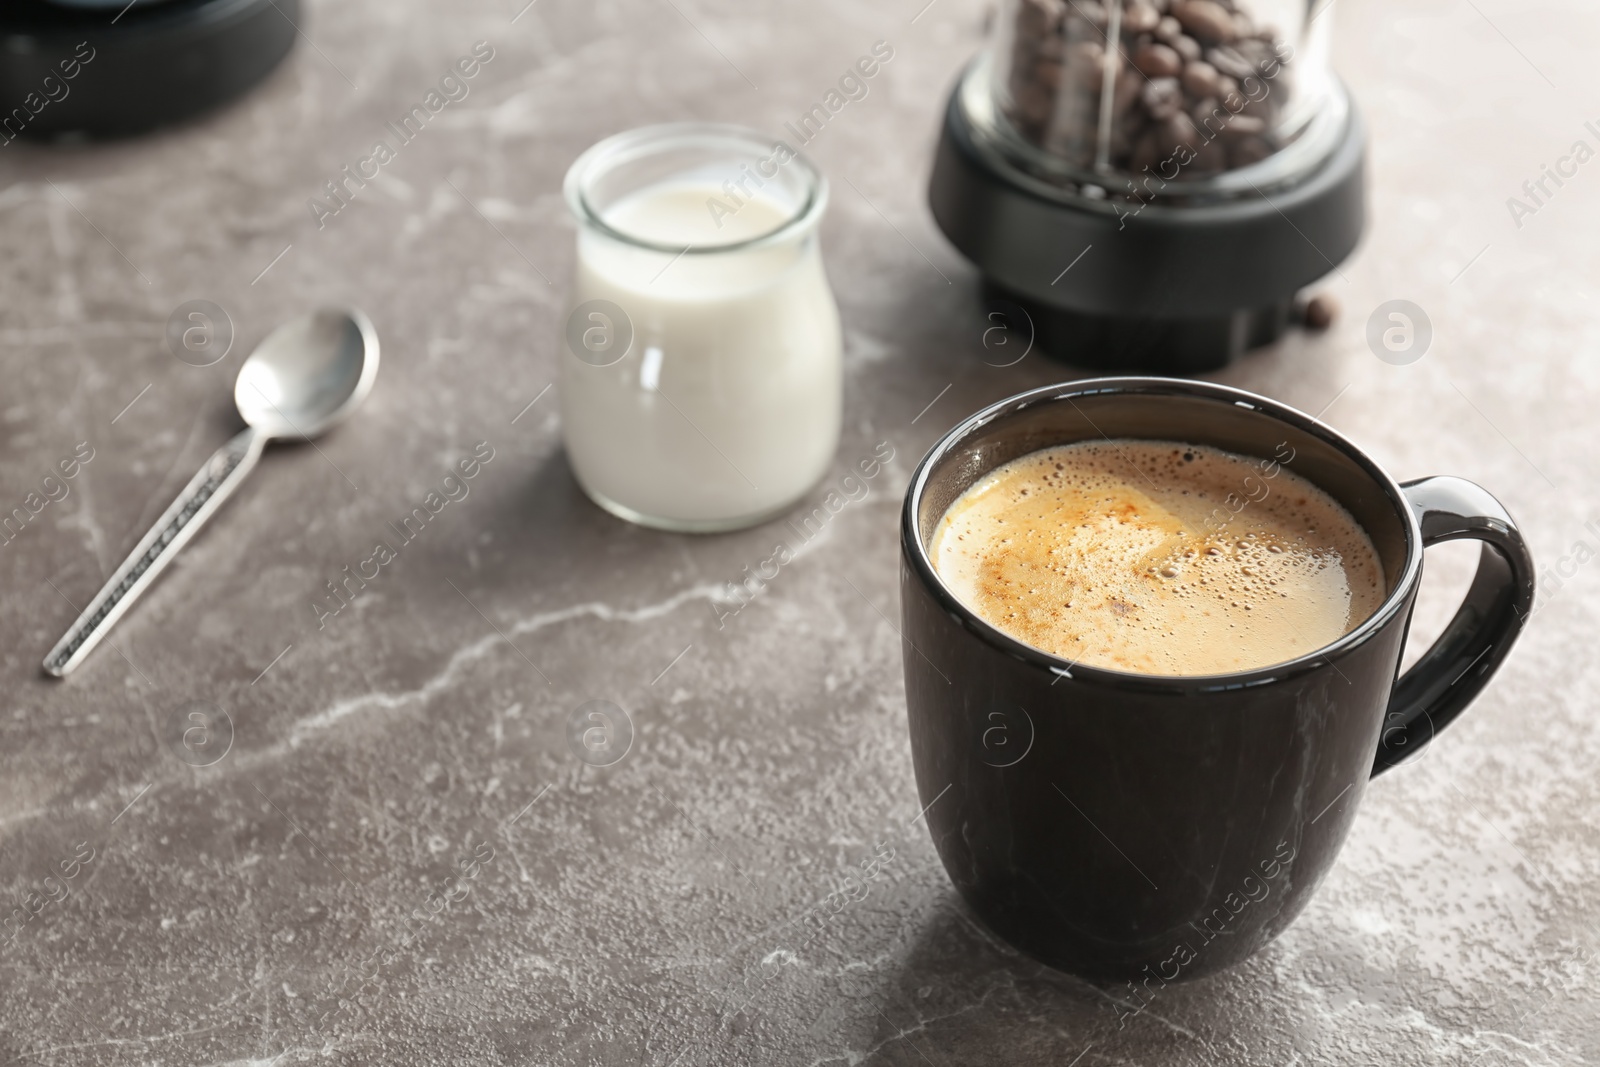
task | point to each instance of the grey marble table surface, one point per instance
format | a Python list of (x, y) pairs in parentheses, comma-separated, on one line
[(418, 738)]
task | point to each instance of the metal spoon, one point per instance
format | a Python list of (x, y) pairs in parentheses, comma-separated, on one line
[(307, 375)]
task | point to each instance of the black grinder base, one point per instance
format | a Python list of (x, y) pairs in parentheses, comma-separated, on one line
[(93, 68), (1173, 345), (1130, 285)]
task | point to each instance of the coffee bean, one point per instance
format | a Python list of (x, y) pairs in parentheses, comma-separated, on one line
[(1270, 67), (1230, 62), (1086, 62), (1215, 118), (1262, 107), (1262, 57), (1168, 29), (1255, 51), (1077, 28), (1205, 19), (1242, 125), (1157, 60), (1094, 12), (1319, 312), (1178, 129), (1051, 47), (1140, 18), (1162, 97), (1129, 85), (1200, 78)]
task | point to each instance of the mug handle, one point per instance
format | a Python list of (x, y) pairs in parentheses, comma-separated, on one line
[(1441, 684)]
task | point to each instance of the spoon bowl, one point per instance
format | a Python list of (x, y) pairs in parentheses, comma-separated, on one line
[(308, 374)]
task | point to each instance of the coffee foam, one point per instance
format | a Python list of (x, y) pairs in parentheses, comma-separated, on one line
[(1156, 557)]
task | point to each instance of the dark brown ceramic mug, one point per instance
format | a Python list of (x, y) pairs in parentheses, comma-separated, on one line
[(1124, 826)]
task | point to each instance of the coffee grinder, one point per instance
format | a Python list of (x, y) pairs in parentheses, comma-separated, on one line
[(111, 68), (1152, 182)]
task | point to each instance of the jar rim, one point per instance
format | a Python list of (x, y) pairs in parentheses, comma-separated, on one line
[(604, 156)]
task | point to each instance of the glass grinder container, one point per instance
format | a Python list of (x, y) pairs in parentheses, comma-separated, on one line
[(1152, 181)]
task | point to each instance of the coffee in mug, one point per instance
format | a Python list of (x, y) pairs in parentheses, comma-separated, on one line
[(1158, 557)]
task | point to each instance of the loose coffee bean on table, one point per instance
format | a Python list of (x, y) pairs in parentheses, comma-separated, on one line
[(1319, 312), (1197, 85)]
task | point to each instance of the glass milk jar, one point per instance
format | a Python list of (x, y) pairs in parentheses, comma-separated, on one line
[(701, 362)]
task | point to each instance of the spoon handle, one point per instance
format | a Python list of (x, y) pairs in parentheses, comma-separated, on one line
[(204, 494)]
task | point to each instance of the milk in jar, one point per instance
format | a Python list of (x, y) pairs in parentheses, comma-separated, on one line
[(701, 363)]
